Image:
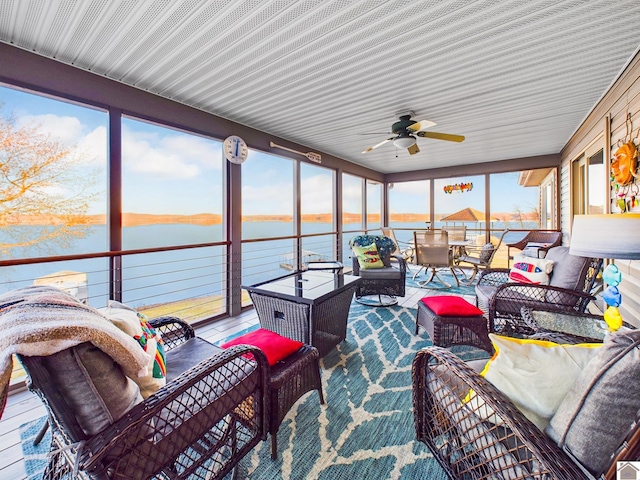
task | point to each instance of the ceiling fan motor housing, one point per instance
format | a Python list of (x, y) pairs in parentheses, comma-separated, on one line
[(402, 125)]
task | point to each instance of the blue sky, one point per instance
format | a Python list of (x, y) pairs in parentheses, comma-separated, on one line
[(166, 171)]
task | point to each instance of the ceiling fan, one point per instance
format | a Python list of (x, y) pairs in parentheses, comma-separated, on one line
[(405, 131)]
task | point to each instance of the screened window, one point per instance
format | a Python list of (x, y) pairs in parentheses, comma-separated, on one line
[(57, 151), (408, 208), (374, 205), (459, 201)]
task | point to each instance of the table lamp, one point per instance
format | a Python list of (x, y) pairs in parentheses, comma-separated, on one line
[(614, 236)]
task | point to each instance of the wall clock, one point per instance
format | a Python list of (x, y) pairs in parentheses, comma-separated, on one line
[(235, 149)]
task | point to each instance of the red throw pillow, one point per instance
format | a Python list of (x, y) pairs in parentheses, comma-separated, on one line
[(451, 306), (275, 347)]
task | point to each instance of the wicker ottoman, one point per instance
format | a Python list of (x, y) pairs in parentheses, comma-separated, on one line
[(451, 320), (289, 379), (294, 370)]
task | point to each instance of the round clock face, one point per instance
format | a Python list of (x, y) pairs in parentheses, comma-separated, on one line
[(235, 149)]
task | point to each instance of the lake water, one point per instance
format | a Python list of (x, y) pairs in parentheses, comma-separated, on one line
[(168, 276)]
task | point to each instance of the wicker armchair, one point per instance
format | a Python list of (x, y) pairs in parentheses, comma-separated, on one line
[(569, 290), (506, 445), (212, 411), (387, 282)]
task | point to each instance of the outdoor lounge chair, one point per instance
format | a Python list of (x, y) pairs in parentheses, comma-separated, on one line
[(569, 290), (384, 283), (475, 431), (212, 411)]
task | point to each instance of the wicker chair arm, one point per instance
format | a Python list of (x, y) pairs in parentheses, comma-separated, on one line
[(402, 263), (493, 276), (355, 265), (520, 244), (173, 330), (497, 447), (553, 298), (184, 410)]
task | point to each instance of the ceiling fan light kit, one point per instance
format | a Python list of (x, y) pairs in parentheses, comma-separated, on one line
[(404, 140)]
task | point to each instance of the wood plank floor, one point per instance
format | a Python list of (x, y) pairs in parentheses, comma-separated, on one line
[(23, 406)]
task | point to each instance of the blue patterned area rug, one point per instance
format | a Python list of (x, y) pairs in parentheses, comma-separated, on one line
[(364, 431), (436, 286), (35, 457)]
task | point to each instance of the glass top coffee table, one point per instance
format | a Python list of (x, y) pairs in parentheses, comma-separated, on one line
[(311, 306)]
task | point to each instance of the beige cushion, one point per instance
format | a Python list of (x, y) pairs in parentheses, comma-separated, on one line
[(535, 374)]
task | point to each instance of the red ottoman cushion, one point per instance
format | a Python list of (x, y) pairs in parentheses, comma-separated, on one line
[(275, 347), (451, 306)]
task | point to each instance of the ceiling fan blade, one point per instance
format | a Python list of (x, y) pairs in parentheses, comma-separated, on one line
[(442, 136), (421, 125), (413, 149), (378, 145)]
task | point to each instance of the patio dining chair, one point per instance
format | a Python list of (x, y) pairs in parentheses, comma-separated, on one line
[(457, 233), (432, 253), (478, 257), (405, 249)]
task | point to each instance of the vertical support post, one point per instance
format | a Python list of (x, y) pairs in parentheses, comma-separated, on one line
[(487, 208), (115, 202), (234, 237), (337, 194), (297, 216)]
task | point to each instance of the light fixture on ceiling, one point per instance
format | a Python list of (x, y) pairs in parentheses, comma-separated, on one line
[(404, 140)]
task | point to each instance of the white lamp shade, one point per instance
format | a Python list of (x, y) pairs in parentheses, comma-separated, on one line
[(615, 236)]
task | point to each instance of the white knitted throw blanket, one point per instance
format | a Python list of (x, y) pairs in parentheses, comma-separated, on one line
[(43, 320)]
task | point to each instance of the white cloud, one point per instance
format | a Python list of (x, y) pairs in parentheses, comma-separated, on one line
[(93, 146), (66, 129), (317, 194), (269, 199), (352, 198), (168, 157), (411, 188)]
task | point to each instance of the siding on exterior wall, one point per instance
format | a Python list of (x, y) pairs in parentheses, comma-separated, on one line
[(565, 202), (623, 97)]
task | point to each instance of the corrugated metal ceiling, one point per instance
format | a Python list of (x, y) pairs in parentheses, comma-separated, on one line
[(515, 77)]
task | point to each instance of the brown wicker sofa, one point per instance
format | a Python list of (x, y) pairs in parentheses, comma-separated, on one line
[(600, 414)]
